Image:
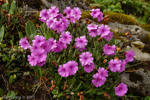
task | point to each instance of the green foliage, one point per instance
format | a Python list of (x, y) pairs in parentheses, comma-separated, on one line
[(147, 98), (11, 95), (30, 29), (12, 8), (12, 79), (135, 7), (1, 33), (11, 21)]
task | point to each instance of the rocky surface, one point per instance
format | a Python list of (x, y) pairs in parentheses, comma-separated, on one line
[(61, 4), (138, 80), (140, 40)]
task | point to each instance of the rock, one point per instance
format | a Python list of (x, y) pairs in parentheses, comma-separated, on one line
[(134, 29), (61, 4), (137, 47), (138, 81)]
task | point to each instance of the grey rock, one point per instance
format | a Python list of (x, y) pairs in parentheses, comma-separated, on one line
[(138, 82)]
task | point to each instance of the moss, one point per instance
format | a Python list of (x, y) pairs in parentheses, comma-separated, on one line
[(145, 38), (86, 14), (145, 27), (121, 18), (116, 36), (138, 45), (88, 2)]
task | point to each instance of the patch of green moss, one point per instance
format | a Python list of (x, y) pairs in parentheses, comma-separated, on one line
[(121, 18), (138, 45), (145, 38), (88, 2), (86, 14), (116, 36), (145, 27)]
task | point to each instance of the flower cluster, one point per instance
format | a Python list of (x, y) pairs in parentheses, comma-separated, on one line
[(69, 68), (102, 30), (39, 50), (118, 65), (56, 21), (100, 77)]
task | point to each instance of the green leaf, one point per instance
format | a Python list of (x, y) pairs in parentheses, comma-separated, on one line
[(40, 71), (12, 8), (20, 35), (1, 92), (147, 98), (30, 29), (11, 94), (11, 79), (47, 35), (1, 33), (78, 86), (60, 94)]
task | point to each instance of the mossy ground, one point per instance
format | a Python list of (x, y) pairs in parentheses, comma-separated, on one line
[(119, 17)]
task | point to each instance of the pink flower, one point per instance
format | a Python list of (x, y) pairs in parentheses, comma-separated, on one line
[(32, 60), (46, 47), (114, 65), (86, 58), (68, 11), (95, 13), (44, 15), (121, 89), (100, 17), (98, 81), (92, 30), (51, 44), (123, 65), (39, 40), (130, 56), (65, 37), (72, 67), (34, 48), (59, 47), (65, 21), (102, 72), (109, 50), (59, 26), (41, 55), (63, 71), (53, 11), (76, 12), (24, 43), (81, 42), (41, 63), (89, 68), (103, 30), (109, 36), (50, 23)]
